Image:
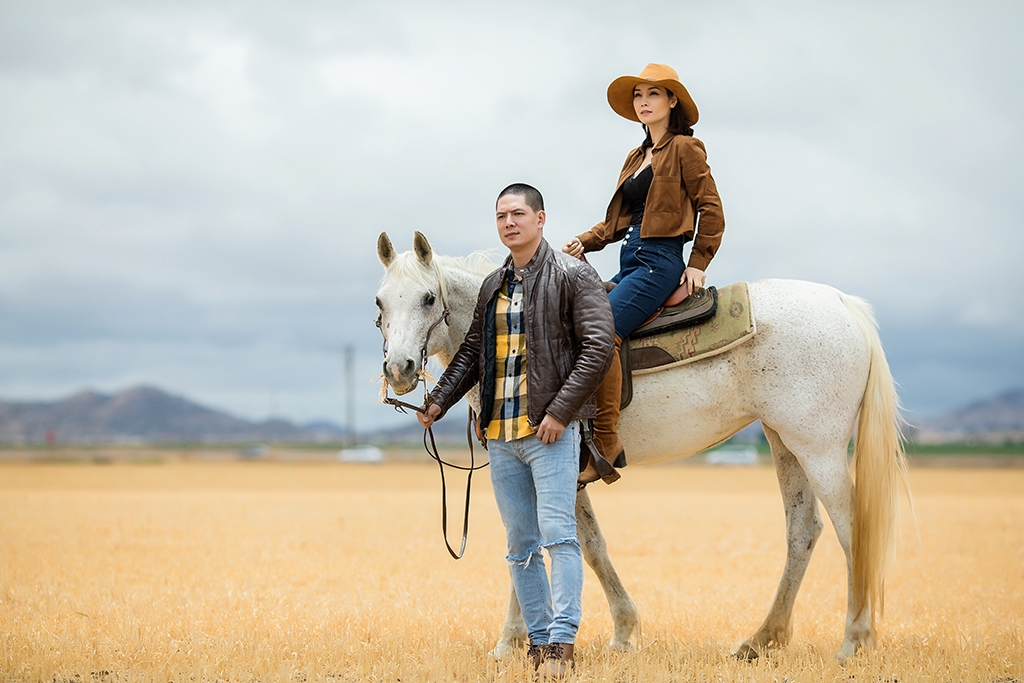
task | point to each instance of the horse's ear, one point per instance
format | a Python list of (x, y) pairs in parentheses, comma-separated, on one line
[(422, 248), (385, 252)]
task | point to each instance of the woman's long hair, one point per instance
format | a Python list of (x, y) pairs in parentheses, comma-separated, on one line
[(677, 124)]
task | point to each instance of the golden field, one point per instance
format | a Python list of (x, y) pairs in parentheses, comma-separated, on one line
[(284, 571)]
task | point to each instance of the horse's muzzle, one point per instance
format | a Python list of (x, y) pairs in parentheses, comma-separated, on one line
[(402, 375)]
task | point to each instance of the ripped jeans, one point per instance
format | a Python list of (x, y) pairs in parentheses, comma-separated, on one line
[(535, 487)]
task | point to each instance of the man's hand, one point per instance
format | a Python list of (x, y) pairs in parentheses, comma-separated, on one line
[(550, 430), (428, 416), (693, 278), (573, 247)]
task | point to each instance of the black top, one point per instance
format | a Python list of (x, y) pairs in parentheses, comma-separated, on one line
[(634, 192)]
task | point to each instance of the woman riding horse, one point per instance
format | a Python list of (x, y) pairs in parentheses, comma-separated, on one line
[(664, 186)]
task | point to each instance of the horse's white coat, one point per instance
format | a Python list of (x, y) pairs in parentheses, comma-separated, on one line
[(804, 375)]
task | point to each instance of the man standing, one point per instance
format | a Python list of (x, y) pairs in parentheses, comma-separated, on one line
[(541, 341)]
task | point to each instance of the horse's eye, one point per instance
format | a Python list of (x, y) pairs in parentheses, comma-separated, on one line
[(429, 300)]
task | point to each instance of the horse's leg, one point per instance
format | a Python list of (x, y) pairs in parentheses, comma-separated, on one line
[(513, 631), (595, 551), (829, 476), (803, 527), (834, 486)]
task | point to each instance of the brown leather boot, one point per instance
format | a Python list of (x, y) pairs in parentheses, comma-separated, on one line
[(558, 661), (606, 424), (535, 655)]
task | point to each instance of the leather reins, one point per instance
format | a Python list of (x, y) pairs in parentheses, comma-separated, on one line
[(428, 434)]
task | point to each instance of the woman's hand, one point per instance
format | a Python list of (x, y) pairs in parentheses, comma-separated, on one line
[(573, 247), (693, 278)]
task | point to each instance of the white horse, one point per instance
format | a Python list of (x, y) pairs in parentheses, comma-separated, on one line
[(814, 370)]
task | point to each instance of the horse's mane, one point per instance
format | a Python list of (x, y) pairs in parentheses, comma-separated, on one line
[(407, 267)]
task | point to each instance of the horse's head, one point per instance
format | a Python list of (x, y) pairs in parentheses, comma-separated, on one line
[(412, 300)]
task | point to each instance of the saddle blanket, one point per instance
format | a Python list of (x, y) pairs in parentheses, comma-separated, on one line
[(731, 325)]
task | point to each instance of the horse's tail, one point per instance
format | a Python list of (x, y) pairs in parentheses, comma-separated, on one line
[(880, 467)]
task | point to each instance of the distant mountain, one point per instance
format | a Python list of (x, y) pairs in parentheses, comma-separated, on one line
[(149, 414), (143, 414), (998, 418)]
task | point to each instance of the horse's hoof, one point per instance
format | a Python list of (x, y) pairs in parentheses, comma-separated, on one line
[(746, 653), (847, 651), (621, 646), (501, 651)]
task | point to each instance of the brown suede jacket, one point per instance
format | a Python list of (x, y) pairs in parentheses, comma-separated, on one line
[(681, 190), (570, 340)]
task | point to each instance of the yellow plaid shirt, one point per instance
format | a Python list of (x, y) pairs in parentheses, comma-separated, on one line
[(509, 420)]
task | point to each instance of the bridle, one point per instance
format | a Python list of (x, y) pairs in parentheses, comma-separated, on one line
[(428, 434)]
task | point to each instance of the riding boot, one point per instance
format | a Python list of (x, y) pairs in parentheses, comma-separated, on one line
[(606, 425)]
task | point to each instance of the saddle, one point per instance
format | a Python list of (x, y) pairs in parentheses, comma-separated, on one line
[(680, 310), (686, 329)]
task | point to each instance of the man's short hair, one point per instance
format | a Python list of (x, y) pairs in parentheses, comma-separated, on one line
[(528, 192)]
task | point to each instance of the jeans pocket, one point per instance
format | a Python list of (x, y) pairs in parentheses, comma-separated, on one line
[(649, 267)]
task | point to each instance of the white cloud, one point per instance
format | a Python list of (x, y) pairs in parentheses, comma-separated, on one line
[(220, 74)]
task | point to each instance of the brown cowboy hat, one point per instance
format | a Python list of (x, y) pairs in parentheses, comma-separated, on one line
[(620, 92)]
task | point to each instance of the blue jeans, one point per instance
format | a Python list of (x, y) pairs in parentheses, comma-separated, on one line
[(535, 487), (649, 271)]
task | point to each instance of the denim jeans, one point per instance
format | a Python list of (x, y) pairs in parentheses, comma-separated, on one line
[(535, 487), (649, 271)]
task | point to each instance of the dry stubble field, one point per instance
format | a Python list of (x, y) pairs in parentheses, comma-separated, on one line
[(270, 571)]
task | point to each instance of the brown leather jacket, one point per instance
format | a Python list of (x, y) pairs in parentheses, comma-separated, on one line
[(570, 340), (681, 189)]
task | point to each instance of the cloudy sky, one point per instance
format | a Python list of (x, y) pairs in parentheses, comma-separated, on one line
[(190, 192)]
